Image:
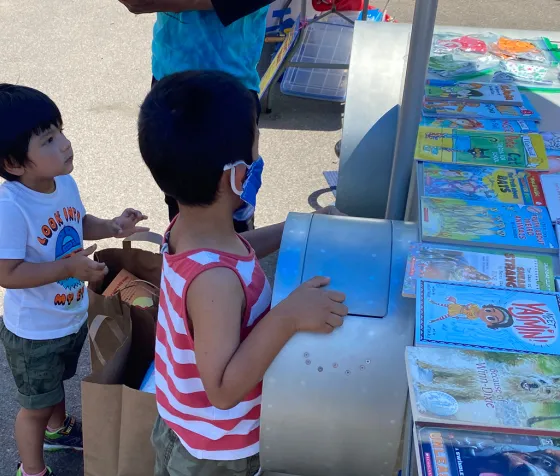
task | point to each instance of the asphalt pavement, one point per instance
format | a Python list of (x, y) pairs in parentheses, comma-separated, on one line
[(93, 59)]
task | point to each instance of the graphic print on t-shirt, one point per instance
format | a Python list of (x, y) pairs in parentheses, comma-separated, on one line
[(68, 242)]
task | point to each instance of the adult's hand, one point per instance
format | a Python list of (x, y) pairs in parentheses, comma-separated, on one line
[(151, 6)]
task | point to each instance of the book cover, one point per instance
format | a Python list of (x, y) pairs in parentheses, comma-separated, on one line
[(552, 145), (551, 189), (481, 148), (459, 452), (462, 222), (133, 291), (491, 268), (494, 390), (497, 125), (495, 93), (480, 110), (480, 183), (494, 319)]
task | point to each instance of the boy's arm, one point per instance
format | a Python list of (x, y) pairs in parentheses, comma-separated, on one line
[(230, 370), (267, 240), (20, 274), (119, 227)]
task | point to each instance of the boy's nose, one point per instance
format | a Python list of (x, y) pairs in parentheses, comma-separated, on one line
[(66, 144)]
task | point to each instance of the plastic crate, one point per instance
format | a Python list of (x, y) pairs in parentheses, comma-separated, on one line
[(324, 42)]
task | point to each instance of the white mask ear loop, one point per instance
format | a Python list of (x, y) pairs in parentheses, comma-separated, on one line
[(232, 177)]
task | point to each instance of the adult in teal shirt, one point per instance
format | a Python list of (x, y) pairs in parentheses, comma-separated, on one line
[(222, 35)]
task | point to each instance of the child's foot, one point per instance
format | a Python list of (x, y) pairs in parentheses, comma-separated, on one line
[(69, 437), (48, 473)]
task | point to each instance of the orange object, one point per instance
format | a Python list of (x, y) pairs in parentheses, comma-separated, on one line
[(133, 291), (516, 46)]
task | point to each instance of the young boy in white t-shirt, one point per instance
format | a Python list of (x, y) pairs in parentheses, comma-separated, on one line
[(43, 267)]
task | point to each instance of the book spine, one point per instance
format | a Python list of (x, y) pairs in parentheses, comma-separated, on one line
[(426, 422)]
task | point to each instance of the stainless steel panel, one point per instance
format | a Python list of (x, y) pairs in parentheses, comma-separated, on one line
[(373, 96), (356, 254), (334, 405), (290, 260)]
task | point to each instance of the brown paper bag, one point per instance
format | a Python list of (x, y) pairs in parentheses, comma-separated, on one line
[(117, 418)]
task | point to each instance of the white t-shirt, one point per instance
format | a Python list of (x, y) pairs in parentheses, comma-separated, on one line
[(39, 228)]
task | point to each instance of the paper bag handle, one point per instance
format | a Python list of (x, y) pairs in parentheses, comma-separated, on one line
[(148, 236), (94, 329)]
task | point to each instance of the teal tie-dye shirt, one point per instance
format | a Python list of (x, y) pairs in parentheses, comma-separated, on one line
[(197, 40)]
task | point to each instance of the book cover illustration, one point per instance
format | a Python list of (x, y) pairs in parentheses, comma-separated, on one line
[(494, 390), (496, 125), (495, 93), (456, 221), (458, 452), (492, 268), (481, 148), (551, 142), (480, 110), (496, 319), (481, 183), (551, 189)]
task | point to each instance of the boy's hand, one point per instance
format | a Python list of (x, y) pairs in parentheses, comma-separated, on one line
[(125, 225), (84, 268), (312, 309), (330, 210)]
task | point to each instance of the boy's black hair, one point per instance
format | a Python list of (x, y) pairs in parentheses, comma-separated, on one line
[(24, 112), (191, 125)]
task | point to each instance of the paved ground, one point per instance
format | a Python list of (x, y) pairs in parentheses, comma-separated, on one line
[(92, 58)]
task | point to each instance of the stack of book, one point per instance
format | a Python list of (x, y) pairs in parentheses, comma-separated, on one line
[(484, 378)]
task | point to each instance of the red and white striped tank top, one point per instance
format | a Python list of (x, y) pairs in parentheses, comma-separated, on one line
[(204, 430)]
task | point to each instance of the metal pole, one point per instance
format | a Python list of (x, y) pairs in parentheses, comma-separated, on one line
[(411, 106), (365, 10)]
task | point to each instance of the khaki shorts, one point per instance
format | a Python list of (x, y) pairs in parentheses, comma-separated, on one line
[(172, 459), (40, 366)]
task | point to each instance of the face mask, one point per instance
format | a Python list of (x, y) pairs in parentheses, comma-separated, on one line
[(251, 186)]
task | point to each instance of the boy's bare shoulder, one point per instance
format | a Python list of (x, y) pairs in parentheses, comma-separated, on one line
[(217, 286)]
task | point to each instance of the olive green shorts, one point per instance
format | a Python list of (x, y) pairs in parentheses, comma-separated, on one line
[(40, 366), (172, 459)]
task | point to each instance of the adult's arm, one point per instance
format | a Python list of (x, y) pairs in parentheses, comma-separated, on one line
[(228, 11)]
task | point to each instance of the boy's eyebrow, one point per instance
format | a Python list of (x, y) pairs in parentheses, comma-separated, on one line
[(46, 132)]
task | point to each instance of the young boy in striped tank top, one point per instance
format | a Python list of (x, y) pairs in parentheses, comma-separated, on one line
[(216, 333)]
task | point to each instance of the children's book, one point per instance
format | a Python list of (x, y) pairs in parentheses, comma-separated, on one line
[(497, 125), (479, 183), (494, 93), (493, 319), (551, 142), (491, 268), (457, 452), (552, 145), (479, 110), (489, 224), (481, 148), (484, 390), (551, 188)]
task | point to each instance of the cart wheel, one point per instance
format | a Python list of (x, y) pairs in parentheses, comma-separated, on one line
[(337, 148)]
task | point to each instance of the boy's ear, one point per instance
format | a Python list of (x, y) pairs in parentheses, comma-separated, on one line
[(12, 167)]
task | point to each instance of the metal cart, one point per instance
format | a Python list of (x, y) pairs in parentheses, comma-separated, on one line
[(336, 405)]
